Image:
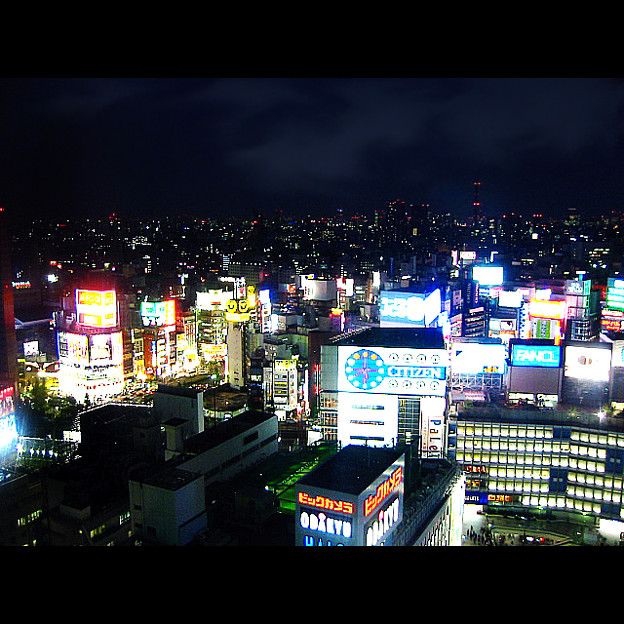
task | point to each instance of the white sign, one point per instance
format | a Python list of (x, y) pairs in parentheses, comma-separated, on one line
[(586, 363), (471, 358), (386, 519), (368, 419), (432, 426)]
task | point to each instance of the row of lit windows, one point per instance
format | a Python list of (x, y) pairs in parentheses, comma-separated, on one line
[(528, 432), (504, 445), (504, 431), (24, 520), (535, 447), (530, 460), (541, 499)]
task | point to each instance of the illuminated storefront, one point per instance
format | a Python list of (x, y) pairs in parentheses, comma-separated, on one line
[(353, 499)]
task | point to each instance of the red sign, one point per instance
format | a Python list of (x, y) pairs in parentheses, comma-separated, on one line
[(383, 490), (329, 504)]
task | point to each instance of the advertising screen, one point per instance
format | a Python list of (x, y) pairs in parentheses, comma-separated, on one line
[(158, 313), (471, 358), (368, 419), (432, 426), (400, 370), (587, 363), (510, 298), (400, 309), (73, 348), (105, 349), (546, 356), (96, 308), (548, 309), (615, 293), (488, 275), (612, 320)]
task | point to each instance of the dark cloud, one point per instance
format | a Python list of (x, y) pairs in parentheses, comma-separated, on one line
[(205, 146)]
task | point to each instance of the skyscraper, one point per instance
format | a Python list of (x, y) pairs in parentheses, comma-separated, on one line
[(8, 348)]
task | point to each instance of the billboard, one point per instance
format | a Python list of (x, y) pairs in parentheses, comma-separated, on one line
[(401, 309), (73, 348), (158, 313), (615, 293), (368, 419), (96, 308), (612, 320), (545, 356), (106, 349), (510, 298), (592, 364), (471, 358), (384, 370), (432, 426), (548, 309), (488, 275)]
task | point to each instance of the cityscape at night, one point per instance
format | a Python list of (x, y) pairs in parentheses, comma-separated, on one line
[(279, 312)]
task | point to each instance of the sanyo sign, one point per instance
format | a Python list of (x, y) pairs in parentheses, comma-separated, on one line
[(401, 309), (548, 356)]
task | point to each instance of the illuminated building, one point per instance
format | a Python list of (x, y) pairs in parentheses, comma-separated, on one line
[(364, 496), (211, 325), (354, 499), (384, 387), (541, 460), (90, 346), (8, 348), (159, 337)]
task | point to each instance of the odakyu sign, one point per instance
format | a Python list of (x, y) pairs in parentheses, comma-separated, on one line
[(401, 309), (385, 370)]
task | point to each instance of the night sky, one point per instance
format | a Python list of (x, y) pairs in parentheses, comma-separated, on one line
[(149, 147)]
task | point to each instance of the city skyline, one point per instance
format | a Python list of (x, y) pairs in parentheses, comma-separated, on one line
[(155, 147)]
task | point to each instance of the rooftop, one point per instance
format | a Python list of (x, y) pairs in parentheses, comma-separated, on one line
[(352, 469), (226, 430), (417, 338)]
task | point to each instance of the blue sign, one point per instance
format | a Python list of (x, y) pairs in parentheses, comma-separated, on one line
[(401, 309), (546, 356), (365, 369)]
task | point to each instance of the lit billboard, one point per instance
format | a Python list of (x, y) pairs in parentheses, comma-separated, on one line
[(106, 349), (592, 364), (96, 308), (384, 370), (368, 419), (510, 298), (615, 293), (400, 309), (73, 348), (158, 313), (488, 275), (548, 309), (612, 320), (545, 356), (471, 358), (432, 426)]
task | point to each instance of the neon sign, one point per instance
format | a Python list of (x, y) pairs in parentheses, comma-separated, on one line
[(386, 519), (158, 313), (96, 308), (383, 491), (329, 504), (548, 309), (547, 356), (325, 524)]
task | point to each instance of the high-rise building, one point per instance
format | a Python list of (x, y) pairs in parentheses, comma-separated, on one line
[(8, 349)]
